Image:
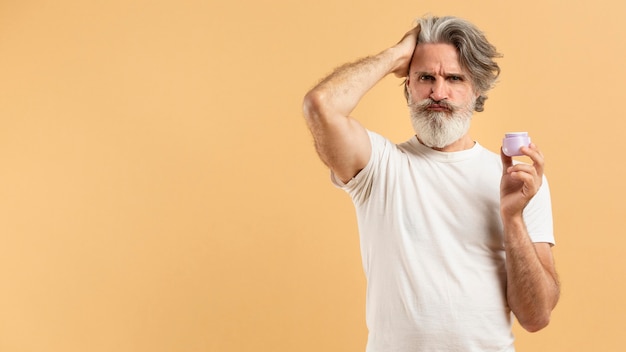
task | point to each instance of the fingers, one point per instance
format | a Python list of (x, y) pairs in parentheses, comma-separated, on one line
[(536, 156), (416, 30), (507, 161), (523, 172), (406, 48), (531, 175), (411, 36), (532, 151)]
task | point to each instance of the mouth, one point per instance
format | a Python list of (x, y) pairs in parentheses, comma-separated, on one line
[(438, 107)]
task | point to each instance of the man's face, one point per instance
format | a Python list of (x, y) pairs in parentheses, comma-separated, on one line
[(441, 95)]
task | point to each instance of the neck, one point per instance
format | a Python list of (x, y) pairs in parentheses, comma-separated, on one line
[(463, 143)]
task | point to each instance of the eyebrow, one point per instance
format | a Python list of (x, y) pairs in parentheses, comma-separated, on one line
[(449, 74)]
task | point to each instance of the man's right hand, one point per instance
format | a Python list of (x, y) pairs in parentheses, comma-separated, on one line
[(406, 48)]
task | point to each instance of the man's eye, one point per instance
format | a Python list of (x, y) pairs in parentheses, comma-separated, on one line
[(455, 78), (426, 78)]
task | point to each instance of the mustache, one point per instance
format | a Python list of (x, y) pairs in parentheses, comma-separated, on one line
[(423, 105)]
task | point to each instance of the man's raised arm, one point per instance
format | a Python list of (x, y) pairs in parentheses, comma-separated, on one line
[(341, 141)]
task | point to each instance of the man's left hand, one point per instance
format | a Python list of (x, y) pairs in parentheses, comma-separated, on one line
[(520, 182)]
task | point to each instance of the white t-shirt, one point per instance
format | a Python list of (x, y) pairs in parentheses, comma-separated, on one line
[(432, 247)]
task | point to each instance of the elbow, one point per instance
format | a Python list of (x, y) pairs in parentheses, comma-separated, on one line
[(310, 105), (313, 105), (536, 317), (536, 323)]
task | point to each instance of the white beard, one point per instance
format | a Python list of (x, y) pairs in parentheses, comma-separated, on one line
[(438, 129)]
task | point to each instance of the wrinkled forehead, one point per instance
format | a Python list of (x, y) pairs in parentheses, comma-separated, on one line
[(436, 58)]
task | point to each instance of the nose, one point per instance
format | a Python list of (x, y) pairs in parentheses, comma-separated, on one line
[(438, 91)]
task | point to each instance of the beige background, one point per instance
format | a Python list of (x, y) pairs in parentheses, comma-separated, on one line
[(159, 190)]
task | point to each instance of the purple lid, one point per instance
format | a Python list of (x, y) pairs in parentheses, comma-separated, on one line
[(515, 134)]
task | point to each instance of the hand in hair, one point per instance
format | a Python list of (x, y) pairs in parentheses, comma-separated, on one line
[(406, 47)]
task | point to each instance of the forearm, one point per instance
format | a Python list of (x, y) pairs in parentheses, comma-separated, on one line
[(532, 285), (340, 92)]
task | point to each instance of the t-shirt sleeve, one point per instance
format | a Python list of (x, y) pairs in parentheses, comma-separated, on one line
[(360, 186), (538, 215)]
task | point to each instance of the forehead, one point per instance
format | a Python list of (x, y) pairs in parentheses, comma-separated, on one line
[(436, 58)]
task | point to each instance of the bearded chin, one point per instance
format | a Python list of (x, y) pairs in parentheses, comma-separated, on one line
[(439, 129)]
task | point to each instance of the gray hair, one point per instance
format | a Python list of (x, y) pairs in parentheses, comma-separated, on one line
[(476, 54)]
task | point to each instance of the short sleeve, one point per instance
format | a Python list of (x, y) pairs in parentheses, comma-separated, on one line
[(359, 187), (538, 215)]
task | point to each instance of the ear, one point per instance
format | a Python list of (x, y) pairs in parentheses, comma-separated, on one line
[(406, 88)]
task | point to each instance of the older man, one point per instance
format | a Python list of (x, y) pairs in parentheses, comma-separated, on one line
[(453, 237)]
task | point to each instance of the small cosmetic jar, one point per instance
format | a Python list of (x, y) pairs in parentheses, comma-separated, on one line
[(513, 141)]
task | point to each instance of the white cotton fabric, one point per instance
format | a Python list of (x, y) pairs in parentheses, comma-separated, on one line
[(432, 247)]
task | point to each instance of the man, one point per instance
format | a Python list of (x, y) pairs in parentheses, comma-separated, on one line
[(453, 237)]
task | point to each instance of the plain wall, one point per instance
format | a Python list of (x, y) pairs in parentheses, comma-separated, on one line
[(159, 189)]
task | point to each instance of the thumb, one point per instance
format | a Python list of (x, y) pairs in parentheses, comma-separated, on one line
[(507, 161)]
